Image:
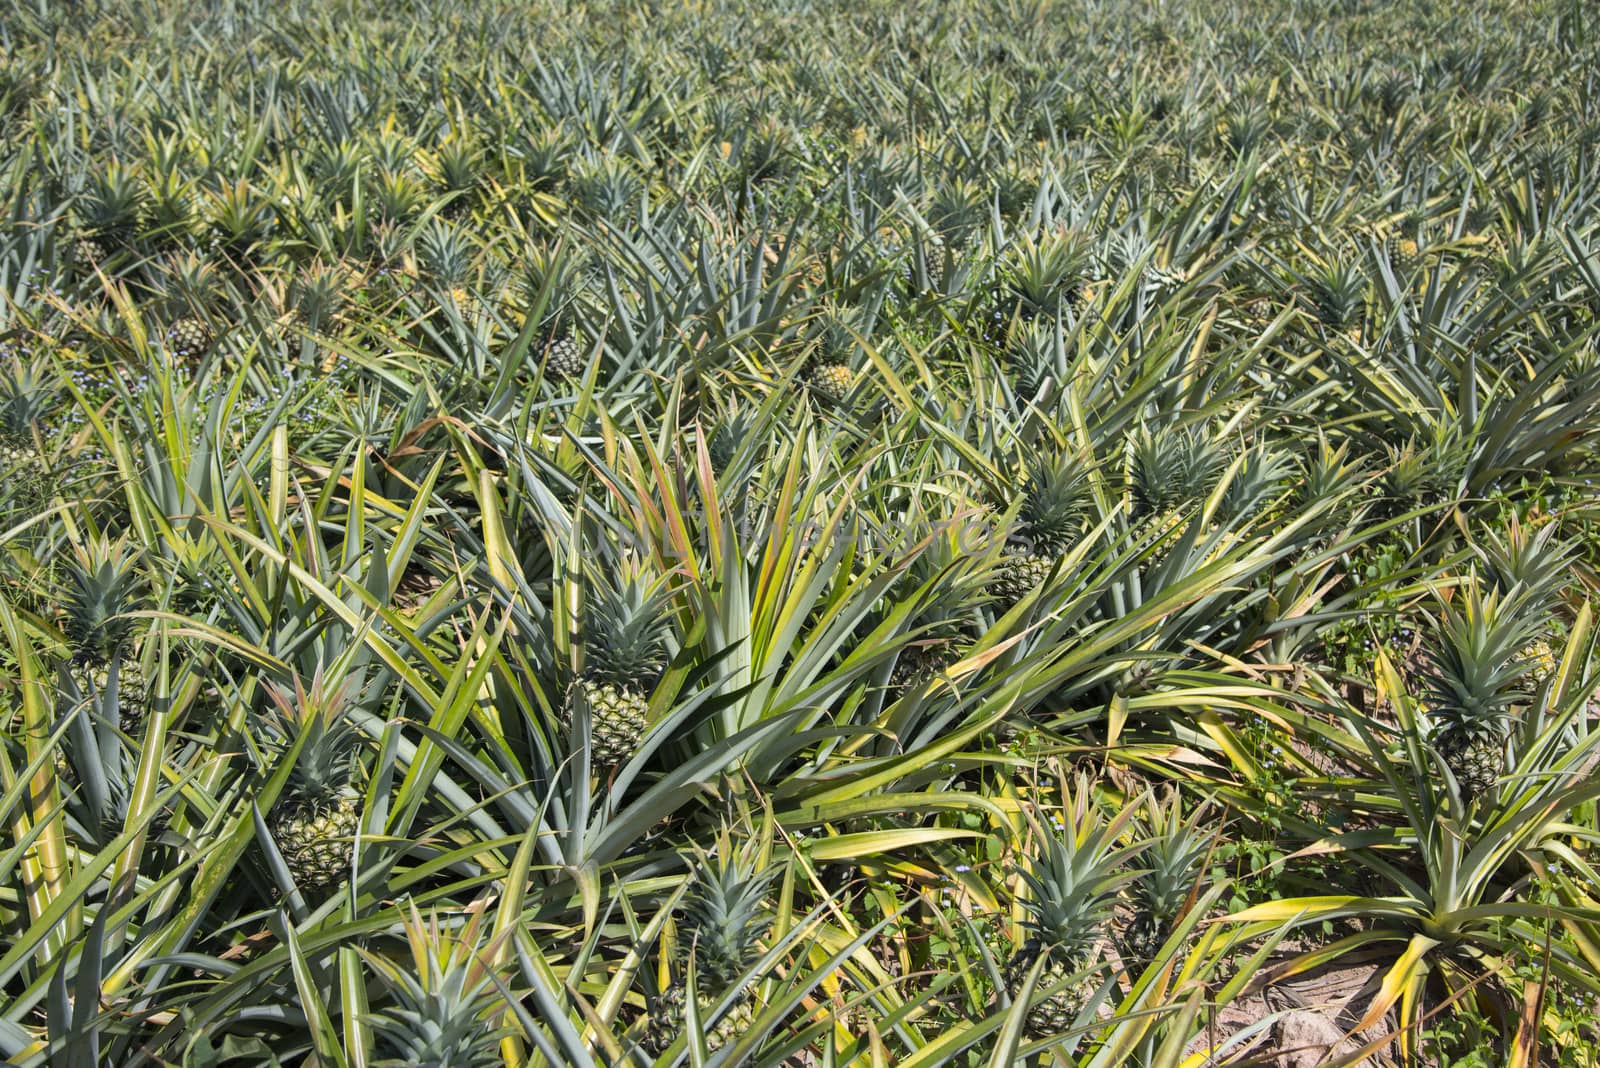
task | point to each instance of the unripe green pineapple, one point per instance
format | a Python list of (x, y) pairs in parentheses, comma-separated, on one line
[(316, 820), (1173, 864), (625, 651), (1072, 891), (725, 441), (1475, 675), (1054, 493), (316, 838), (917, 664), (725, 917), (188, 337), (564, 357)]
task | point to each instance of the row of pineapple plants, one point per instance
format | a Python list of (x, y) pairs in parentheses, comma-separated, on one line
[(680, 552)]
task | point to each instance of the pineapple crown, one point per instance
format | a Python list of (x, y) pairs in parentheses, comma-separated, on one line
[(456, 165), (440, 1007), (1171, 466), (1074, 880), (1261, 472), (192, 284), (1054, 497), (1475, 670), (1047, 273), (1325, 472), (836, 332), (102, 580), (114, 201), (958, 210), (624, 629), (317, 293), (730, 433), (326, 763), (444, 252), (24, 401), (1174, 859), (1037, 358), (1420, 475), (725, 913), (1532, 563), (556, 275), (1335, 293)]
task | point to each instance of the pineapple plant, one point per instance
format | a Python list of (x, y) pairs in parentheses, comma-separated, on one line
[(725, 918), (316, 820), (1473, 679), (1072, 884), (624, 651), (1050, 514), (1038, 362)]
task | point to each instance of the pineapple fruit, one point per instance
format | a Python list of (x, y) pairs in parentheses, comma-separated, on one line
[(1474, 678), (316, 820), (829, 374), (1049, 516), (1172, 864), (188, 337), (25, 478), (625, 651), (830, 382), (564, 358), (725, 918), (1072, 886)]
